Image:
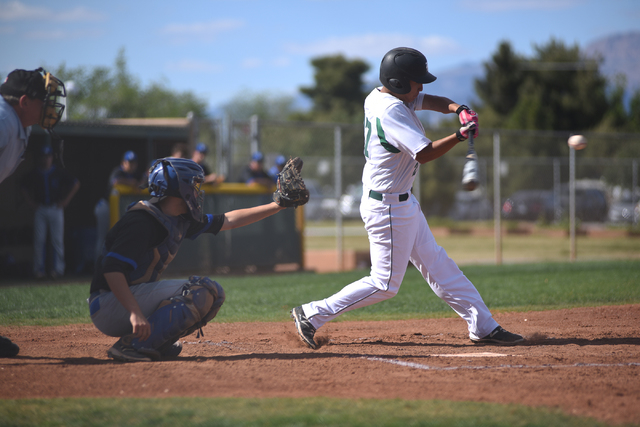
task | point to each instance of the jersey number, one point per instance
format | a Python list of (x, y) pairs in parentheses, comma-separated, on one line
[(383, 141), (367, 126)]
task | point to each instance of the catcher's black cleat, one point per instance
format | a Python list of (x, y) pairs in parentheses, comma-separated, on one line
[(123, 351), (305, 329), (499, 336), (172, 352), (7, 348)]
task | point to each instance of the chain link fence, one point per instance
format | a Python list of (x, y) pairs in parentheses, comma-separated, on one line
[(531, 188)]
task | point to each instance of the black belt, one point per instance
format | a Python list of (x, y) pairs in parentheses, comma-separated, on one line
[(378, 196)]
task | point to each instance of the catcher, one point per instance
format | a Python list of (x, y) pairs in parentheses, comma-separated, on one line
[(128, 300)]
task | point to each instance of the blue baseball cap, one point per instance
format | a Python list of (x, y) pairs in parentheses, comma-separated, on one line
[(130, 156), (257, 157), (281, 160), (201, 147)]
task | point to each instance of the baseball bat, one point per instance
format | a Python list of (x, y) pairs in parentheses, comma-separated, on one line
[(470, 171)]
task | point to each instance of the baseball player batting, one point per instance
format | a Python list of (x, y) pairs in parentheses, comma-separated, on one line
[(395, 146)]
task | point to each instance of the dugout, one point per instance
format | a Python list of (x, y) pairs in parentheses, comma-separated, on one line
[(91, 151)]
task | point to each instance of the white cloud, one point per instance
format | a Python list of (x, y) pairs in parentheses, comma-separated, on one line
[(193, 66), (62, 34), (375, 45), (200, 31), (511, 5), (18, 11)]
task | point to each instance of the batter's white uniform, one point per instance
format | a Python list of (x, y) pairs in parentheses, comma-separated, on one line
[(397, 228)]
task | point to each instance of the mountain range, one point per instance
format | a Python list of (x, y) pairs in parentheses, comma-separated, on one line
[(620, 54)]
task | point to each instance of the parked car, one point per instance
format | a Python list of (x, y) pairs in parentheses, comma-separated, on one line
[(531, 205), (471, 205), (624, 210), (320, 206), (591, 204), (527, 204)]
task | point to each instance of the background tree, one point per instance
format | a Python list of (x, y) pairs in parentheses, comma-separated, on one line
[(503, 78), (104, 93), (265, 105), (338, 95), (558, 89)]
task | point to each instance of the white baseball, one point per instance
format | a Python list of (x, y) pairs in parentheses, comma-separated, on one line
[(577, 142)]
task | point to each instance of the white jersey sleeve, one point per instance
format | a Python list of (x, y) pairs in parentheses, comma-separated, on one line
[(393, 137)]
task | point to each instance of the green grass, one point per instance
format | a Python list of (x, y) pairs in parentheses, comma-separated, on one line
[(266, 298), (277, 413), (468, 249), (517, 287)]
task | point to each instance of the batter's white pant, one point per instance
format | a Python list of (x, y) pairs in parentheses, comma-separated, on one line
[(399, 233)]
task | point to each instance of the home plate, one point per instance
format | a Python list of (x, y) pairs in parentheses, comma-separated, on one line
[(487, 354)]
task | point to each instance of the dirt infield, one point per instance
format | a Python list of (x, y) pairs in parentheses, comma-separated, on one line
[(585, 361)]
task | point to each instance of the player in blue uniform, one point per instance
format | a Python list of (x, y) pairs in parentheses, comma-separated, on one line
[(48, 189), (128, 299)]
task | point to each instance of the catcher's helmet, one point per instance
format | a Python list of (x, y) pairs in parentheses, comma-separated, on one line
[(402, 65), (178, 177)]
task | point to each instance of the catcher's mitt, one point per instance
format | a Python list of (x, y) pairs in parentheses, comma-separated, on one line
[(290, 189)]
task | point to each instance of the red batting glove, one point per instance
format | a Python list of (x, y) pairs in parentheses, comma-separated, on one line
[(463, 132), (466, 114)]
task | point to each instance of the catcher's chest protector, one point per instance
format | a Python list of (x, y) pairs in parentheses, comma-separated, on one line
[(156, 260)]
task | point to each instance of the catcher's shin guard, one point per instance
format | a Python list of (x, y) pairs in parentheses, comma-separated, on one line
[(181, 315)]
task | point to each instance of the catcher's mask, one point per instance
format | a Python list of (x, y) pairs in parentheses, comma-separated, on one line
[(53, 105), (38, 84), (178, 177), (402, 65)]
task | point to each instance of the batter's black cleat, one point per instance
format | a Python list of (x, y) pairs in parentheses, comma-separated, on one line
[(499, 336), (7, 348), (305, 329), (123, 351)]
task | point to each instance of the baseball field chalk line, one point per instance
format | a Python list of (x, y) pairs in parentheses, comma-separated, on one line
[(471, 355), (453, 368)]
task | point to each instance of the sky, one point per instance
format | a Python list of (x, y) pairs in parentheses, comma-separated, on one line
[(226, 49)]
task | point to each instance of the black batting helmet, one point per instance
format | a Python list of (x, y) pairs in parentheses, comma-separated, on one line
[(402, 65)]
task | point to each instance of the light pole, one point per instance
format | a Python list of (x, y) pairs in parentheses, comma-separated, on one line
[(70, 88), (575, 142)]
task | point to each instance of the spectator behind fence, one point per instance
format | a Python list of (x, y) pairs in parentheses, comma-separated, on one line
[(199, 155), (277, 168), (48, 189), (179, 150), (254, 173)]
